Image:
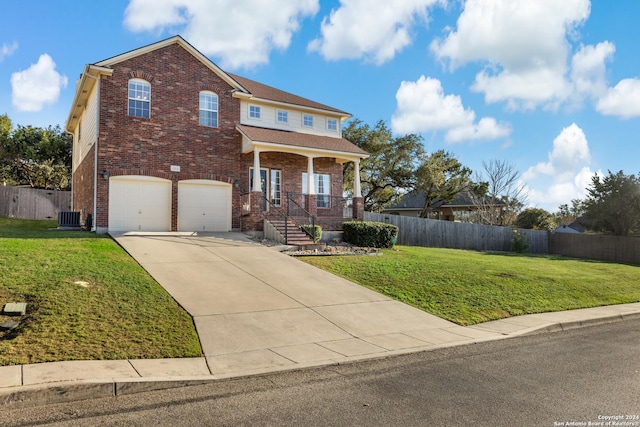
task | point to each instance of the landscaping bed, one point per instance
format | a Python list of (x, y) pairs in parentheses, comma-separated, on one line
[(336, 248)]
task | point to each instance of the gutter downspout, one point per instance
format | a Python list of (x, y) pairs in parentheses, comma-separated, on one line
[(73, 138), (94, 227)]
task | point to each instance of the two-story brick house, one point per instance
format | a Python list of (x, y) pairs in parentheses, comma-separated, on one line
[(165, 140)]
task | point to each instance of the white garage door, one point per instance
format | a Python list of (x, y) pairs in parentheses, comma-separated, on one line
[(139, 203), (204, 205)]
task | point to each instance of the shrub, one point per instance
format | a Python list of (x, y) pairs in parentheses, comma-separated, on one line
[(520, 242), (370, 234), (315, 234)]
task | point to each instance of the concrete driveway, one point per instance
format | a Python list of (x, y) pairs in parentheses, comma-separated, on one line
[(256, 309)]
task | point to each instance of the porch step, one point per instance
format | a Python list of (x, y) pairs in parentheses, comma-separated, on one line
[(295, 236)]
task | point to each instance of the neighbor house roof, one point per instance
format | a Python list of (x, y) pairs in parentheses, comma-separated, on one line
[(281, 138), (578, 225), (416, 200)]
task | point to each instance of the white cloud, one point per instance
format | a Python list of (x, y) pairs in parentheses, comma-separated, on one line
[(566, 174), (523, 90), (622, 100), (7, 50), (37, 86), (422, 106), (241, 34), (523, 46), (372, 29), (588, 69)]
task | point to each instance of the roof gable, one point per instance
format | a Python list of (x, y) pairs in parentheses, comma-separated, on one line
[(109, 62)]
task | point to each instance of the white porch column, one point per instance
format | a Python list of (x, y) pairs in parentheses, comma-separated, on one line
[(357, 191), (257, 182), (311, 188)]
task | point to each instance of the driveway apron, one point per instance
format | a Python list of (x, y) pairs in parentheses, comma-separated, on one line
[(257, 309)]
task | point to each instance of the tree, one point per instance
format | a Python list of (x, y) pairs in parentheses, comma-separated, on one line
[(390, 168), (5, 128), (6, 174), (440, 177), (40, 144), (536, 219), (567, 214), (613, 204), (504, 189), (39, 157)]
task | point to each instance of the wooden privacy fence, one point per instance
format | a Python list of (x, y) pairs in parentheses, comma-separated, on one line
[(433, 233), (596, 246), (30, 203)]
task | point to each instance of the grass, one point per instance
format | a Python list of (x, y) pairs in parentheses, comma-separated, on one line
[(469, 287), (87, 300)]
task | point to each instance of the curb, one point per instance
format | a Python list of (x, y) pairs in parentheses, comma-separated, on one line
[(20, 397), (575, 324)]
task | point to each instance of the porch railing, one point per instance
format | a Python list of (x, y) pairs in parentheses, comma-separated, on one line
[(290, 210), (300, 215), (330, 213)]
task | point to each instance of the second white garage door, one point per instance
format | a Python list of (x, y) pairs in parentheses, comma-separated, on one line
[(204, 205)]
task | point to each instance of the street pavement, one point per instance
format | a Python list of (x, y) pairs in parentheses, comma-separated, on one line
[(257, 310), (584, 376)]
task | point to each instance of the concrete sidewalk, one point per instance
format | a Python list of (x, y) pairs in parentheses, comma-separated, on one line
[(257, 310)]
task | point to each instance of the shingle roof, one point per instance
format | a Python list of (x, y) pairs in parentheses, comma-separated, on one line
[(298, 139), (263, 91)]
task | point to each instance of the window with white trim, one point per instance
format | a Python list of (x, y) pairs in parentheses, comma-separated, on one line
[(307, 120), (139, 98), (332, 124), (254, 111), (322, 184), (282, 116), (275, 188), (208, 109)]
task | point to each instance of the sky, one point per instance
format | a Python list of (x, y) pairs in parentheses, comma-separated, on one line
[(550, 87)]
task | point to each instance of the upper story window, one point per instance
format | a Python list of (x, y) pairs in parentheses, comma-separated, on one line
[(332, 124), (208, 109), (307, 120), (283, 116), (254, 111), (139, 98)]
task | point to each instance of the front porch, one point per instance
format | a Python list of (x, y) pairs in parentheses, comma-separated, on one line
[(296, 178)]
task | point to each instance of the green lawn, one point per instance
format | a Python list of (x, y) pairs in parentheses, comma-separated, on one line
[(87, 299), (469, 287)]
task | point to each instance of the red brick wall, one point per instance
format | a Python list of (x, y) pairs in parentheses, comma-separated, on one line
[(172, 134)]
